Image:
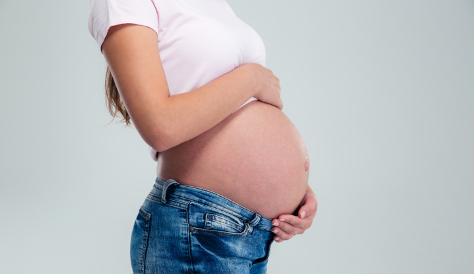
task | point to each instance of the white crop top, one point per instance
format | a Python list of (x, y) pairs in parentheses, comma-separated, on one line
[(198, 40)]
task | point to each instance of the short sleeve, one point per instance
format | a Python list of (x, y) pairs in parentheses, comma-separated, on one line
[(107, 13)]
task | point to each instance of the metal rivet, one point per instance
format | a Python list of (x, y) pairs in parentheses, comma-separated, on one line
[(191, 229)]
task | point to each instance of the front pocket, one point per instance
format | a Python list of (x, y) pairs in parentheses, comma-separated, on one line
[(139, 241), (207, 219)]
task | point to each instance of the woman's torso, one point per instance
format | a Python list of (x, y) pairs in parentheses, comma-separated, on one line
[(255, 157)]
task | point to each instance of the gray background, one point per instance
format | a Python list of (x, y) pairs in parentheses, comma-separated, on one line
[(381, 91)]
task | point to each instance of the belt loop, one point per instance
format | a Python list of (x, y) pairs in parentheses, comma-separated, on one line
[(253, 222), (165, 188), (255, 219)]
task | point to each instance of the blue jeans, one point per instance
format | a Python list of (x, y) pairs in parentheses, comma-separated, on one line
[(187, 229)]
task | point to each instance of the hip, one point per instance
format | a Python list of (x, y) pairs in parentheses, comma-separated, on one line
[(186, 229)]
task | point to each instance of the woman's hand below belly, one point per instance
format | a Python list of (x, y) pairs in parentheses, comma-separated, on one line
[(255, 157)]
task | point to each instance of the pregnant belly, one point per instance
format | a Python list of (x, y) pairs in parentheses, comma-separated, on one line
[(255, 157)]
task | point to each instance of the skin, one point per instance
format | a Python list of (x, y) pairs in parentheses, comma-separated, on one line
[(128, 49), (287, 226)]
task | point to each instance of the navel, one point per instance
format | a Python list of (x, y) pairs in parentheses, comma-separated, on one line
[(306, 165)]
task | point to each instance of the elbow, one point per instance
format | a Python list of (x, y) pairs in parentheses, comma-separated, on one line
[(162, 141), (165, 135), (159, 147)]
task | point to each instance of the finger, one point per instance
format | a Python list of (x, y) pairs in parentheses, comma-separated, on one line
[(281, 234), (296, 221), (305, 211), (292, 220), (308, 209), (289, 229)]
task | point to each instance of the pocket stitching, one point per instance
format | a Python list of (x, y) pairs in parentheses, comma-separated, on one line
[(226, 219), (218, 232), (219, 210), (146, 233), (226, 222), (144, 214)]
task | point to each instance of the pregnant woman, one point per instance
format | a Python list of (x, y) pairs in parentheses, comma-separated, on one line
[(232, 169)]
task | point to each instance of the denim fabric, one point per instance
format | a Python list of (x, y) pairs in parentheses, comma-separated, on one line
[(187, 229)]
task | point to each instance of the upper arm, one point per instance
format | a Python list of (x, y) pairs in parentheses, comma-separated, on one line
[(132, 54), (127, 35)]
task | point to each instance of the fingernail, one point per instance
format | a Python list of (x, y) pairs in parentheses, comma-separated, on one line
[(277, 239), (303, 214), (282, 220), (274, 230), (276, 223)]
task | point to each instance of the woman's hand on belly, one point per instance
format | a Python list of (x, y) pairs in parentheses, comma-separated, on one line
[(287, 226)]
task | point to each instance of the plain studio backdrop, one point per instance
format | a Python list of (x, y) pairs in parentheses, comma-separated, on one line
[(381, 91)]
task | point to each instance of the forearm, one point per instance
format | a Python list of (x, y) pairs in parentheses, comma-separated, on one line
[(185, 116)]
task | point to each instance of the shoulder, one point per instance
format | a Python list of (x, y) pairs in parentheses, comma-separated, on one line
[(104, 14)]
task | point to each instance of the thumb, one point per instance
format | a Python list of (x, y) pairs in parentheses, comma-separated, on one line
[(303, 212)]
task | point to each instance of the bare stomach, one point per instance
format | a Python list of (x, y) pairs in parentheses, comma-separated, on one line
[(255, 157)]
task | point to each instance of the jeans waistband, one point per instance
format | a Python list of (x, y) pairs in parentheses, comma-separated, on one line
[(172, 188)]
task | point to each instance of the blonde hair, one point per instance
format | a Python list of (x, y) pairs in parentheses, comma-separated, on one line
[(113, 101)]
